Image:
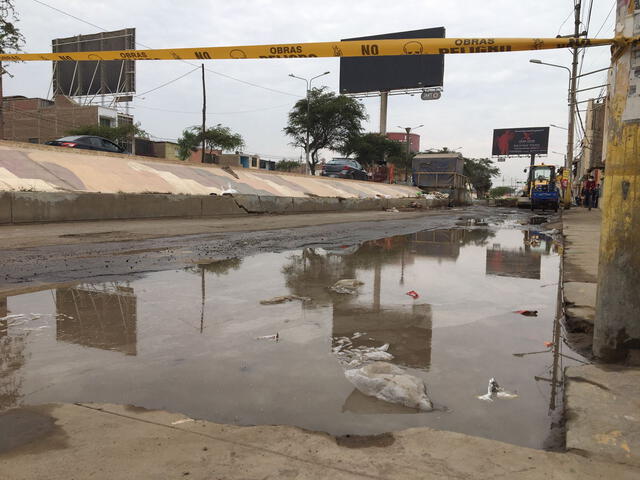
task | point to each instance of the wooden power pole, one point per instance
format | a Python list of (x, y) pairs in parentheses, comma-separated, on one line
[(617, 321)]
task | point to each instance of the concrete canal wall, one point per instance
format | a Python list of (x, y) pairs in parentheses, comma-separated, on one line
[(37, 207)]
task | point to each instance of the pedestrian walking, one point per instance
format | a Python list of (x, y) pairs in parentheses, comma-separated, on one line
[(589, 190), (596, 196)]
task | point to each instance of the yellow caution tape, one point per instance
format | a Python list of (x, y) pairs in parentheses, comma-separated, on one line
[(358, 48)]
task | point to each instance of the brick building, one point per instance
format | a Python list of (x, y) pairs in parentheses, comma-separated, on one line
[(37, 120)]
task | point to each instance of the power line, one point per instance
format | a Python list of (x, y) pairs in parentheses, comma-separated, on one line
[(184, 61), (607, 18), (214, 113), (167, 83)]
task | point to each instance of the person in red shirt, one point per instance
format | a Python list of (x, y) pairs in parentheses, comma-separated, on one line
[(589, 191)]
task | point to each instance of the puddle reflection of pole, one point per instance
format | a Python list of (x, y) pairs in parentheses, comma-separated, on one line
[(202, 302), (376, 286)]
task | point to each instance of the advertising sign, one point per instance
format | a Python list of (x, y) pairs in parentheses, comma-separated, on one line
[(520, 141)]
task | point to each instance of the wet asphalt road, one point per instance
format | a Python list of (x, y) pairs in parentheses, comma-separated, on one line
[(94, 259)]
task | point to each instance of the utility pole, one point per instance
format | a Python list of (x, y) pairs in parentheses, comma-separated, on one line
[(204, 111), (406, 165), (617, 321), (572, 107)]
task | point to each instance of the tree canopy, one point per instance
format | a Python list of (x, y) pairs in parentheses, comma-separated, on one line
[(285, 165), (10, 37), (215, 138), (498, 192), (331, 120), (371, 148), (480, 172)]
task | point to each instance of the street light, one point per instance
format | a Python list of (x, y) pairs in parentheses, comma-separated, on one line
[(568, 159), (558, 126), (406, 165), (308, 82)]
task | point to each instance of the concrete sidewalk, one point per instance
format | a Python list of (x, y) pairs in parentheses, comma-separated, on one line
[(602, 402), (118, 442)]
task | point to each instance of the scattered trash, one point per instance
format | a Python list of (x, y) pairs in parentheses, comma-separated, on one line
[(527, 313), (436, 196), (378, 356), (351, 357), (413, 294), (495, 391), (414, 205), (387, 382), (283, 299), (548, 344), (275, 337), (392, 210), (229, 190), (15, 315), (358, 335), (347, 286), (184, 420)]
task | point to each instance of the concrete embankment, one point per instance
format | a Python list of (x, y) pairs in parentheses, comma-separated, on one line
[(38, 207), (41, 168)]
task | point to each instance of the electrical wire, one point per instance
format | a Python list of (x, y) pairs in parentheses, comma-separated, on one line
[(214, 113), (184, 61), (168, 83), (607, 18)]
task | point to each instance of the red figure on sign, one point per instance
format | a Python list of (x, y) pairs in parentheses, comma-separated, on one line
[(413, 294), (503, 142)]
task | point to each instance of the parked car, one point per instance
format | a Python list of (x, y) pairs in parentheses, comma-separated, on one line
[(344, 168), (87, 142)]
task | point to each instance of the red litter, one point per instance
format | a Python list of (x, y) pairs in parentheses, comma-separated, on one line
[(413, 294), (527, 313), (548, 344)]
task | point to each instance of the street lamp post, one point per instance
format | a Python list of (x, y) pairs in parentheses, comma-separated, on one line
[(406, 165), (571, 127), (308, 82)]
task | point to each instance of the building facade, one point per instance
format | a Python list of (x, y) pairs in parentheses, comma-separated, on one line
[(414, 139), (591, 159), (37, 120)]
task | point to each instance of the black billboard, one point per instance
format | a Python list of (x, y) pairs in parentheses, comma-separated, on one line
[(520, 141), (76, 79), (397, 72)]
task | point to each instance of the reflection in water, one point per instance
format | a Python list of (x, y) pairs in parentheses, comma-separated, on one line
[(12, 359), (513, 262), (445, 243), (407, 330), (97, 316)]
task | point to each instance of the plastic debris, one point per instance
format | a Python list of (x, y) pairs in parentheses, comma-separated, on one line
[(378, 356), (184, 420), (548, 344), (283, 299), (392, 210), (527, 313), (229, 190), (387, 382), (413, 294), (347, 286), (351, 357), (358, 335), (495, 391), (275, 337)]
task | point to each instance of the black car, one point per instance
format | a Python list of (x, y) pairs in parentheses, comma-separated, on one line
[(344, 168), (87, 142)]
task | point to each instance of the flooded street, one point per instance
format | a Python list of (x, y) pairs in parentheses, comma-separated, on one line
[(188, 340)]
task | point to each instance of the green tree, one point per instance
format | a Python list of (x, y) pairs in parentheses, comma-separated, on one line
[(370, 148), (285, 165), (498, 192), (329, 119), (11, 40), (215, 138), (120, 134), (480, 172)]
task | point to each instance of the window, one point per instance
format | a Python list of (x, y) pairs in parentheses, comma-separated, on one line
[(105, 121), (112, 147), (93, 141), (254, 162)]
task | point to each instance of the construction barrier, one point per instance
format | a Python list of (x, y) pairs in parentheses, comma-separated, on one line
[(352, 48)]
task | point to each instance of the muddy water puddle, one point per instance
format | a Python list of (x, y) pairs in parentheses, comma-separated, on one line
[(198, 341)]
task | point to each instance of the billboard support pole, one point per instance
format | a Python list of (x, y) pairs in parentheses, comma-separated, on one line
[(530, 176), (384, 99)]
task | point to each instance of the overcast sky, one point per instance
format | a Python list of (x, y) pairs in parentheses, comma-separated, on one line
[(481, 92)]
